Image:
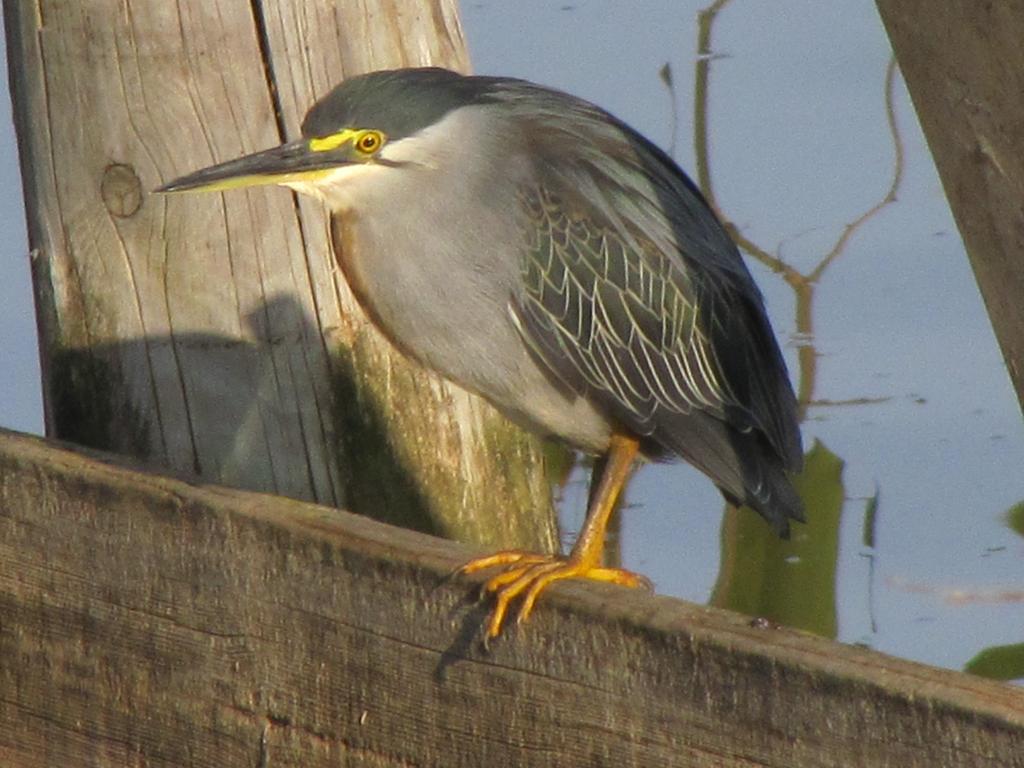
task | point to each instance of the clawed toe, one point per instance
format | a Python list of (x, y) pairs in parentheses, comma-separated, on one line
[(527, 575)]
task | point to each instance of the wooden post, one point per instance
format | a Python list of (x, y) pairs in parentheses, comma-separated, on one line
[(964, 65), (144, 621), (212, 334)]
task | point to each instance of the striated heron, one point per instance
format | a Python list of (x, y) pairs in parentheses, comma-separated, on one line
[(536, 250)]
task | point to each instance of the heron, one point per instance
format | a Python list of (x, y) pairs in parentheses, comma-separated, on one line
[(534, 249)]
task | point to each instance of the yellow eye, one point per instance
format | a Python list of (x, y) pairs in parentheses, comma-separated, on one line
[(369, 142)]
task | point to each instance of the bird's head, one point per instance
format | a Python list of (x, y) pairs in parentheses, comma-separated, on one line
[(369, 125)]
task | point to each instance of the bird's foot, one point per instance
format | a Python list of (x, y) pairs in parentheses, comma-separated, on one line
[(527, 574)]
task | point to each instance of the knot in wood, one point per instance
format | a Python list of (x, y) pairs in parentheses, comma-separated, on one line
[(121, 190)]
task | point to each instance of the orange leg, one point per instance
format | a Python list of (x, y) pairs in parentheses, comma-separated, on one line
[(527, 575)]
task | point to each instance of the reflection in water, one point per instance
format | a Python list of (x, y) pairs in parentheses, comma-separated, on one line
[(998, 662), (792, 582), (868, 543), (803, 285)]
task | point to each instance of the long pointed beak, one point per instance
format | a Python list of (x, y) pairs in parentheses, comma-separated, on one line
[(294, 161)]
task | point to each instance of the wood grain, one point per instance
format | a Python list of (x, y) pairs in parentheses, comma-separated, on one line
[(147, 621)]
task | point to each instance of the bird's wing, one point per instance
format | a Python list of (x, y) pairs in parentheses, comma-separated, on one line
[(614, 320), (688, 361), (633, 293)]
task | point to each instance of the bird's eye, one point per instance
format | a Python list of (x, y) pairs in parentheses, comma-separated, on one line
[(369, 142)]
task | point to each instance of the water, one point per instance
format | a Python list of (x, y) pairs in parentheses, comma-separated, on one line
[(912, 406)]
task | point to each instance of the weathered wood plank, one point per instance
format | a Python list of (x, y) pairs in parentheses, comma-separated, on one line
[(212, 334), (964, 65), (146, 621)]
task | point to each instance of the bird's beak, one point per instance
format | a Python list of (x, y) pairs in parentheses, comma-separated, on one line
[(294, 161)]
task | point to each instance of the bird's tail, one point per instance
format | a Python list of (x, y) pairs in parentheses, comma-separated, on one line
[(769, 491), (743, 465)]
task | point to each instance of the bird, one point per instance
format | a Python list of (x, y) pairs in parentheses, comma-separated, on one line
[(534, 249)]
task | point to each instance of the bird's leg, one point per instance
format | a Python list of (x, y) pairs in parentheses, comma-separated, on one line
[(527, 575)]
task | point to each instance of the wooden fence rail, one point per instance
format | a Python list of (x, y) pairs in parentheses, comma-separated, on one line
[(147, 621)]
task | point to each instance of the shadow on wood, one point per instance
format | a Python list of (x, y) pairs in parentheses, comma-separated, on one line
[(146, 621)]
